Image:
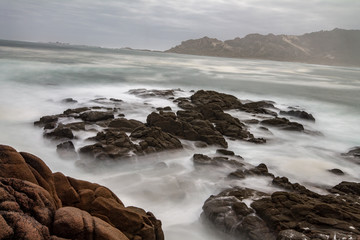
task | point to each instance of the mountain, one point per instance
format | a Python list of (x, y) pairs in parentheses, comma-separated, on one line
[(336, 47)]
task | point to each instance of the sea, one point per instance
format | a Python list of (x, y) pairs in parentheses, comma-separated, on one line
[(35, 78)]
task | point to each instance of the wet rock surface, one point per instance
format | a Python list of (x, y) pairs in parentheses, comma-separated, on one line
[(38, 204), (200, 117), (294, 214)]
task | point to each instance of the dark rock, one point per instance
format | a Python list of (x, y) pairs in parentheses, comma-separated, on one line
[(76, 110), (260, 170), (258, 108), (222, 100), (50, 125), (336, 171), (228, 213), (60, 133), (187, 125), (94, 116), (66, 150), (259, 104), (291, 235), (77, 126), (251, 121), (200, 159), (225, 152), (164, 108), (353, 154), (299, 114), (348, 188), (124, 124), (283, 124), (116, 100), (155, 139), (110, 145), (142, 92), (52, 119), (69, 100)]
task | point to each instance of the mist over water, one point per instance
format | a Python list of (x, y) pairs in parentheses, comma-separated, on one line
[(33, 83)]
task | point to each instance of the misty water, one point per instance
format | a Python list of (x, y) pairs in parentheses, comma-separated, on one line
[(35, 80)]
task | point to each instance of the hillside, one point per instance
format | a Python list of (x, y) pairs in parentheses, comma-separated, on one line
[(336, 47)]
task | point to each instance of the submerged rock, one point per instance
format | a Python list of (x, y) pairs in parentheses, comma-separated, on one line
[(66, 150), (299, 114), (283, 124), (38, 204), (94, 116), (353, 154)]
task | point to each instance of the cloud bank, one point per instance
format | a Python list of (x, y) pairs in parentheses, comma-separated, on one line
[(159, 24)]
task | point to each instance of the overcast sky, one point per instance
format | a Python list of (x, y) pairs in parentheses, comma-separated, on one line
[(161, 24)]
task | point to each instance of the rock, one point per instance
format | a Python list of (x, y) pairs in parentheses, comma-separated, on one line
[(66, 150), (201, 160), (38, 204), (69, 112), (353, 154), (155, 139), (167, 108), (26, 210), (52, 119), (291, 235), (299, 114), (336, 171), (60, 133), (251, 121), (225, 152), (283, 124), (94, 116), (228, 213), (69, 100), (124, 124), (73, 223), (348, 188), (260, 170), (142, 92), (259, 108), (189, 125), (77, 126), (222, 100), (116, 100)]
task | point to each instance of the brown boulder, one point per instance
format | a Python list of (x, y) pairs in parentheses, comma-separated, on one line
[(13, 165), (73, 223), (26, 210)]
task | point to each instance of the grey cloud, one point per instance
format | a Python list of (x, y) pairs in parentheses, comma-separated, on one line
[(158, 24)]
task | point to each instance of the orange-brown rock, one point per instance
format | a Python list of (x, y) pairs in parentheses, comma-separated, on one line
[(38, 204)]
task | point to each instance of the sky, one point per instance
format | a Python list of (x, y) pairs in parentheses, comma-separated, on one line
[(162, 24)]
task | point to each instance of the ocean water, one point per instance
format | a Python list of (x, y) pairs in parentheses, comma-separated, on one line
[(34, 79)]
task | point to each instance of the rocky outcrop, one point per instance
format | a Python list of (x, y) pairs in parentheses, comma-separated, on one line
[(294, 214), (38, 204), (336, 47), (205, 117)]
